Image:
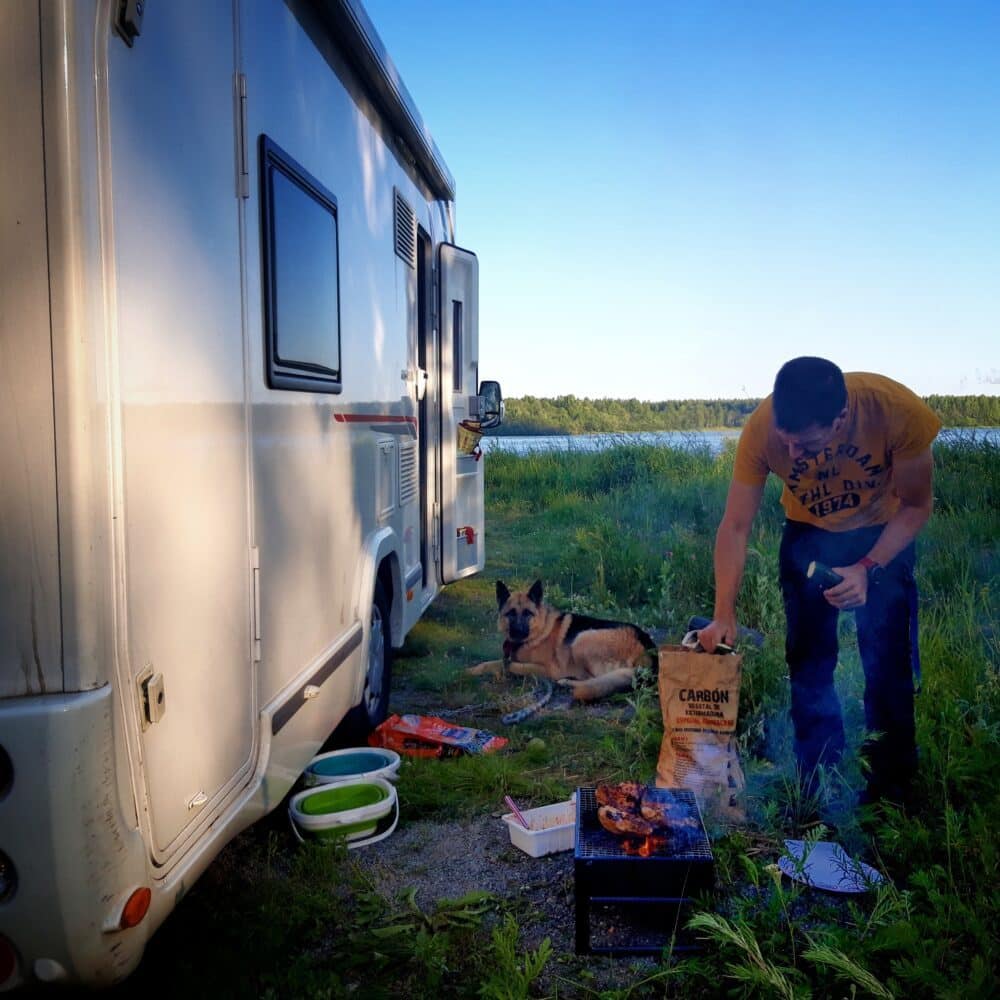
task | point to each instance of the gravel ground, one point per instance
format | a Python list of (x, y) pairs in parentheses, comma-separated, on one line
[(446, 860)]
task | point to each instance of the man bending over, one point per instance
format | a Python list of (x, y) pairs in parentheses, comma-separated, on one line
[(854, 454)]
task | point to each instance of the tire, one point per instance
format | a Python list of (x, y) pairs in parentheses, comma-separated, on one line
[(378, 675), (374, 705)]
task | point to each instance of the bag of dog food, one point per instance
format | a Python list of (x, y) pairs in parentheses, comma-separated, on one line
[(429, 736), (700, 699)]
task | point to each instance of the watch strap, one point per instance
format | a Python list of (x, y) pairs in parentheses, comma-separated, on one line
[(869, 563)]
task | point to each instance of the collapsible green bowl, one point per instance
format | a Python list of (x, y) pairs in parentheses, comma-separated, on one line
[(350, 810)]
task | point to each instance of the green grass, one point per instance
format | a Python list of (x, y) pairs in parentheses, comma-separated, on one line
[(628, 533)]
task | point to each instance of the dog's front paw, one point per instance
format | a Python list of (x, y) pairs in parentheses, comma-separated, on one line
[(487, 667), (567, 682)]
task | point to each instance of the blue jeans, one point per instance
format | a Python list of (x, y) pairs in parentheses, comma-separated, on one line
[(886, 640)]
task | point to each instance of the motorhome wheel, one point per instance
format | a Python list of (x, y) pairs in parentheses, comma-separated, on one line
[(374, 705), (375, 699)]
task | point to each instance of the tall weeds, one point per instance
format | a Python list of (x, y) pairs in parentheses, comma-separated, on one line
[(629, 532)]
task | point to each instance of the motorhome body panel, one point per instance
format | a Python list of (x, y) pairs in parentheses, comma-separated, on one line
[(30, 637), (218, 540), (182, 451), (326, 466), (78, 838)]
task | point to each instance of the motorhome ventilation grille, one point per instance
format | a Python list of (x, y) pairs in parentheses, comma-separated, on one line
[(406, 230), (407, 473)]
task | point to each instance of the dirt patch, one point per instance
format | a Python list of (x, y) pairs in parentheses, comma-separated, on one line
[(446, 860)]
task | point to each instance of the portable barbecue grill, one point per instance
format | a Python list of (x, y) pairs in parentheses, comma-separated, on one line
[(639, 876)]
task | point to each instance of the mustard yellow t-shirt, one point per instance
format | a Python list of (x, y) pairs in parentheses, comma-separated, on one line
[(849, 483)]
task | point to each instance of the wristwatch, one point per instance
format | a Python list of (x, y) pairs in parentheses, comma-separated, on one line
[(869, 564)]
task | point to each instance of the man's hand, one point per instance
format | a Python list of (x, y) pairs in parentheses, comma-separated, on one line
[(720, 630), (730, 555), (852, 591)]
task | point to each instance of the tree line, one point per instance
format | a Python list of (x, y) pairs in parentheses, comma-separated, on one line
[(527, 415)]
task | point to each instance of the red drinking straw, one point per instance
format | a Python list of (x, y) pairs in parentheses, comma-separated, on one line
[(517, 812)]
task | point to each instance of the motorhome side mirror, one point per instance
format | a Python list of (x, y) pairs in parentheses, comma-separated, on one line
[(490, 405)]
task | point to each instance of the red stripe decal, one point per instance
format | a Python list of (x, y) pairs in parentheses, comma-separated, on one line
[(373, 418)]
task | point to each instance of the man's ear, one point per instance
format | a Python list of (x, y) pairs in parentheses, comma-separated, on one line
[(535, 594), (502, 594), (839, 420)]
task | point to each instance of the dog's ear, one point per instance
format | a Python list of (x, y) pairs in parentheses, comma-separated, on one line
[(535, 594), (502, 594)]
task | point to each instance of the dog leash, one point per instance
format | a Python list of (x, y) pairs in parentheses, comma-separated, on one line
[(513, 718)]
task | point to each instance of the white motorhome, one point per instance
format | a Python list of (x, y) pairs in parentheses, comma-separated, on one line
[(237, 343)]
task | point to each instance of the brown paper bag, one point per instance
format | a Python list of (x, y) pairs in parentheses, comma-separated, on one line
[(700, 699)]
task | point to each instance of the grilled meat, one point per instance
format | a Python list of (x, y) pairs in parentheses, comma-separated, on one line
[(658, 806), (623, 823), (635, 810), (625, 796)]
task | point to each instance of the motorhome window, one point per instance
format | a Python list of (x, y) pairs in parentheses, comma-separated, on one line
[(456, 351), (301, 284)]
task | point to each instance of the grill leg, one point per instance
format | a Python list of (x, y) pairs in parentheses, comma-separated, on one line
[(581, 892)]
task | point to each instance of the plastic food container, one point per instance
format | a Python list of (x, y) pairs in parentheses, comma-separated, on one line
[(550, 828), (355, 763), (350, 811)]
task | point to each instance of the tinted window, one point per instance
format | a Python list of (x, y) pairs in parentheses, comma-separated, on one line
[(302, 308)]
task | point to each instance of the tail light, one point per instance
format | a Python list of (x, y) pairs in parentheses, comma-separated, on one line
[(135, 908)]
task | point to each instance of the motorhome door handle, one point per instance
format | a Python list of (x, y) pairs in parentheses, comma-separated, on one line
[(419, 377), (311, 691), (197, 801)]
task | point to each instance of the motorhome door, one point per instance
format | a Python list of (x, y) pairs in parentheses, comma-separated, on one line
[(462, 518), (183, 445)]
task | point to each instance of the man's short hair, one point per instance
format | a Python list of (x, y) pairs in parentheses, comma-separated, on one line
[(808, 391)]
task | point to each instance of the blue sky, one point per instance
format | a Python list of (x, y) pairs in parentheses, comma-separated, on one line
[(670, 199)]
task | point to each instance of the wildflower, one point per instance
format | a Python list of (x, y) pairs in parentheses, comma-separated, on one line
[(775, 872)]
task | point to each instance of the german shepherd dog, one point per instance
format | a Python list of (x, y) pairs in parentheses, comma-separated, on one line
[(592, 657)]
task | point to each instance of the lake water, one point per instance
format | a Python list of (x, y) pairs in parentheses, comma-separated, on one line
[(712, 440)]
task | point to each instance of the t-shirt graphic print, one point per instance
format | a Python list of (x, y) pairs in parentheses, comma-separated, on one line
[(848, 483)]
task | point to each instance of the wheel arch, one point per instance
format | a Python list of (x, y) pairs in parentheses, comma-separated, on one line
[(382, 563)]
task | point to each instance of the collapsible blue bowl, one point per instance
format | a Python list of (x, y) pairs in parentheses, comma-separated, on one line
[(352, 764)]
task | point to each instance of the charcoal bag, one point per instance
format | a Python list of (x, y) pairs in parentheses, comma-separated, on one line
[(700, 701)]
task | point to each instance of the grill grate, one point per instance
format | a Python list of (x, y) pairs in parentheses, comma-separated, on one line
[(662, 881), (684, 844)]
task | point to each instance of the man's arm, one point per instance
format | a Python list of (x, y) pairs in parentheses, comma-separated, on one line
[(731, 539), (913, 479)]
